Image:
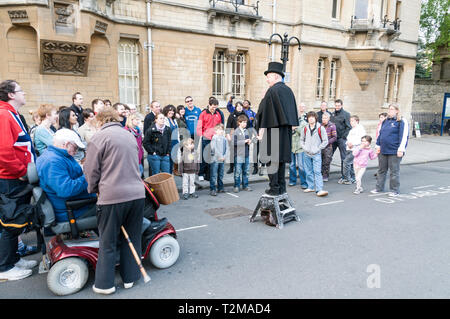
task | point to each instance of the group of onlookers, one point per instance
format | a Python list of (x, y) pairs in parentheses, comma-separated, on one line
[(320, 134)]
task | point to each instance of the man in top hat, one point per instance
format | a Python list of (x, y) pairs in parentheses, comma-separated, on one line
[(277, 113)]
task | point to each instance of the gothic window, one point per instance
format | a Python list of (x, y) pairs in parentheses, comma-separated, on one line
[(218, 73), (128, 71), (392, 83), (238, 75), (320, 79), (333, 80)]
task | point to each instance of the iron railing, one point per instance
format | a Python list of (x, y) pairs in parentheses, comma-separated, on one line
[(429, 122)]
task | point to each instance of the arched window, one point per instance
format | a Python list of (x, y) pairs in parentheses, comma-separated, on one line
[(128, 54)]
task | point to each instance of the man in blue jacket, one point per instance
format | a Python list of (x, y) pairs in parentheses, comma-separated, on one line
[(61, 177)]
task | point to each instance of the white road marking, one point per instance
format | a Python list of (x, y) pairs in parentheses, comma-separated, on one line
[(420, 187), (329, 203), (189, 228), (379, 194), (233, 195)]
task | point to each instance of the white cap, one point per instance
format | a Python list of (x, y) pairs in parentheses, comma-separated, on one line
[(66, 135)]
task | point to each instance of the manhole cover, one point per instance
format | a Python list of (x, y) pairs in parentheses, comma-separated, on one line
[(229, 212)]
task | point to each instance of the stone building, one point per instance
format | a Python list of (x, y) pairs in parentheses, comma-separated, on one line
[(362, 51)]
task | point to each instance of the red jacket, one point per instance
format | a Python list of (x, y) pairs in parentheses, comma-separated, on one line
[(206, 123), (16, 148)]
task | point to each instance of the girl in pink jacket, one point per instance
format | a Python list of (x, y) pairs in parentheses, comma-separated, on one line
[(361, 154)]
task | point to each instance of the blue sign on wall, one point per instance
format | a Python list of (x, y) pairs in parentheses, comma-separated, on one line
[(445, 111)]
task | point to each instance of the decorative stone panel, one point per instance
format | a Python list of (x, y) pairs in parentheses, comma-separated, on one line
[(19, 17), (64, 58), (100, 27)]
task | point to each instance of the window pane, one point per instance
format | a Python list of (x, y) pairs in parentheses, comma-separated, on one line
[(334, 9), (361, 9)]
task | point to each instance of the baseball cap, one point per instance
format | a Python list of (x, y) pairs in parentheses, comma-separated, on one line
[(67, 135)]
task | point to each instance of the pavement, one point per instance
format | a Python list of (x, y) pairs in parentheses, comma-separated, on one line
[(426, 149)]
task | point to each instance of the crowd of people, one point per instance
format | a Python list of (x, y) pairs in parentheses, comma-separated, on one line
[(75, 149)]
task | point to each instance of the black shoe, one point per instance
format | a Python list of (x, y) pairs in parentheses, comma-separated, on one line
[(193, 195), (230, 170), (272, 192), (255, 170)]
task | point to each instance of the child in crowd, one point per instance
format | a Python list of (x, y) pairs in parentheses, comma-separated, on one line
[(189, 167), (132, 125), (361, 156), (219, 151), (241, 142), (313, 140), (353, 140)]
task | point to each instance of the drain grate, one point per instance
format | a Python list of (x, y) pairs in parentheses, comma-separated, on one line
[(229, 212)]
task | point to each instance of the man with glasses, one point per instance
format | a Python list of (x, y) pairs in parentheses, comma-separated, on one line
[(192, 113), (61, 177), (16, 151)]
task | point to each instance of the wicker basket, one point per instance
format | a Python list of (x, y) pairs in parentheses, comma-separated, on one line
[(164, 188)]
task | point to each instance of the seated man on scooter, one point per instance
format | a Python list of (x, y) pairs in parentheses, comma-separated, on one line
[(61, 177)]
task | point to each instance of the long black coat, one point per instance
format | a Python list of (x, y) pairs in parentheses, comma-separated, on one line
[(277, 110)]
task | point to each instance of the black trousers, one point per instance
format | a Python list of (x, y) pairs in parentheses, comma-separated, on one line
[(341, 144), (9, 238), (109, 219), (277, 180)]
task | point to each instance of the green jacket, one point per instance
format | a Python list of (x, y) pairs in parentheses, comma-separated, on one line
[(296, 147)]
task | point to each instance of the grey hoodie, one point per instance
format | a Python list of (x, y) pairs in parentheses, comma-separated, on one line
[(312, 143)]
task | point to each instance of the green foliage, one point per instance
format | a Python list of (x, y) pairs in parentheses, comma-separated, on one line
[(434, 34)]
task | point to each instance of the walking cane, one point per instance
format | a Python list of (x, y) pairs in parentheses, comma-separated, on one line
[(136, 256)]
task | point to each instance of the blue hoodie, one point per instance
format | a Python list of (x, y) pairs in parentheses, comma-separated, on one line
[(191, 118), (61, 178), (393, 136)]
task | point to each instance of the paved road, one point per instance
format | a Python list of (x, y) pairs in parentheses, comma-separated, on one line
[(345, 246)]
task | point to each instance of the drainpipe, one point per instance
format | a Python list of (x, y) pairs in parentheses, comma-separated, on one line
[(274, 14), (149, 53)]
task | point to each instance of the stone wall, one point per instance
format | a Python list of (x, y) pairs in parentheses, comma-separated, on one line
[(429, 95)]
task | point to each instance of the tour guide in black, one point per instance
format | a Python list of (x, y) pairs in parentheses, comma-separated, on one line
[(277, 110)]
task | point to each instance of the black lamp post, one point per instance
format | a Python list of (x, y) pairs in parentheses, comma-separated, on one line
[(284, 47)]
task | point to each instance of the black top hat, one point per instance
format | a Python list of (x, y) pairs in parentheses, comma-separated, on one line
[(275, 67)]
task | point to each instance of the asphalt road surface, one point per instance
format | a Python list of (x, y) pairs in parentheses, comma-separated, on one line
[(345, 246)]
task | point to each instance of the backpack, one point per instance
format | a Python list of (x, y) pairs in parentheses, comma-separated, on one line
[(318, 130), (25, 217)]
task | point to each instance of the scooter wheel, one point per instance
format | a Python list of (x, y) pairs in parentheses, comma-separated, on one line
[(164, 252), (67, 276)]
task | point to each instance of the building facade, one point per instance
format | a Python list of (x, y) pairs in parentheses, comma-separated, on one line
[(135, 51)]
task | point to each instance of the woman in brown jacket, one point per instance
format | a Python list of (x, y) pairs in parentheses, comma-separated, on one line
[(112, 171)]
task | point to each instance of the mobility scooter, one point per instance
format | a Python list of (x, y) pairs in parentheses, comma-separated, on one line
[(68, 261)]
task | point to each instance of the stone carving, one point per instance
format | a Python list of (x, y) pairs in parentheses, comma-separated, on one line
[(18, 17), (366, 63), (100, 27), (64, 15), (64, 58)]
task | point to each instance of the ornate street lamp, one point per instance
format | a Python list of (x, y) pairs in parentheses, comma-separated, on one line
[(285, 42)]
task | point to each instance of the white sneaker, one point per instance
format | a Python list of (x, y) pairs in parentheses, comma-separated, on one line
[(26, 264), (104, 291), (128, 285), (201, 178), (308, 190), (15, 273), (322, 193)]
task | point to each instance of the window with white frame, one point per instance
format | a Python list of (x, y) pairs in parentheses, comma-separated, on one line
[(238, 75), (333, 79), (320, 79), (128, 54), (218, 84), (392, 83)]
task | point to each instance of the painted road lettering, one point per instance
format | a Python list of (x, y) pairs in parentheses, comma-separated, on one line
[(414, 195)]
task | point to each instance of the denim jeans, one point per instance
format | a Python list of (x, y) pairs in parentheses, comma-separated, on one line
[(349, 171), (297, 158), (159, 164), (216, 174), (313, 169), (241, 170)]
